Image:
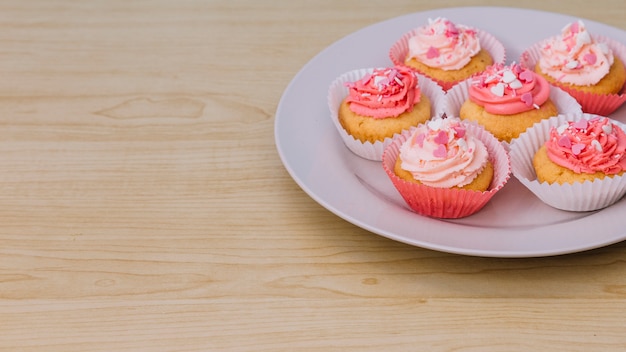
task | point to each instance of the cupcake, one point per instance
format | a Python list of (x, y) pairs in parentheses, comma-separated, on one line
[(573, 162), (507, 99), (446, 168), (590, 68), (447, 52), (370, 106)]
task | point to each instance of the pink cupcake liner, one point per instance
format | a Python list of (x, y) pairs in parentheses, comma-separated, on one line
[(456, 96), (400, 49), (374, 151), (579, 197), (598, 104), (449, 203)]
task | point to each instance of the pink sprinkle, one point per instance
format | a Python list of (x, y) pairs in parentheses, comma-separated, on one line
[(440, 152), (591, 58), (527, 98), (581, 124), (460, 131), (526, 76), (564, 142), (451, 30), (432, 53), (442, 138), (577, 148)]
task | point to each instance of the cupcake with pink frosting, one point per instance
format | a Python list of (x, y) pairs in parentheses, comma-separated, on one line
[(573, 162), (446, 168), (589, 67), (508, 99), (447, 52), (370, 106)]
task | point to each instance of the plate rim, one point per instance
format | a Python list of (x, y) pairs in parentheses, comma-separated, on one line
[(394, 236)]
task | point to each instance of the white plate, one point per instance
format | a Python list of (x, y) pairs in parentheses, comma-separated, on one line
[(513, 224)]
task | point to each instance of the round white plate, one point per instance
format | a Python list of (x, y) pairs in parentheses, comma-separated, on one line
[(513, 224)]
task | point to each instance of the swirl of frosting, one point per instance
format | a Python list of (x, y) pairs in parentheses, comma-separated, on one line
[(507, 90), (588, 146), (386, 92), (441, 154), (575, 57), (442, 44)]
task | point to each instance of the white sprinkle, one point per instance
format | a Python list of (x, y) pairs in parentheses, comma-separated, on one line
[(596, 145), (572, 64), (536, 106), (365, 94), (508, 76), (607, 128), (583, 38), (399, 81), (516, 84)]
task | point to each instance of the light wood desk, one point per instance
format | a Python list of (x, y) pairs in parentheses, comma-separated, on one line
[(143, 205)]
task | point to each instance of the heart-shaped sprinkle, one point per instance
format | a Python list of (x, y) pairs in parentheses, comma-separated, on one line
[(607, 129), (440, 152), (441, 138), (432, 53), (596, 145), (460, 131), (527, 76), (591, 58), (508, 76), (498, 90), (577, 148), (571, 64), (516, 84), (564, 142), (581, 124), (527, 98)]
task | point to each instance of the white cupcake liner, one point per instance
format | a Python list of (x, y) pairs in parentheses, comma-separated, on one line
[(449, 203), (374, 151), (580, 196), (599, 104), (456, 96), (400, 49)]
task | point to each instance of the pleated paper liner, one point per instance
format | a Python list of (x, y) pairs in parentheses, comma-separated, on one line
[(581, 196), (599, 104), (449, 203), (374, 151), (399, 51)]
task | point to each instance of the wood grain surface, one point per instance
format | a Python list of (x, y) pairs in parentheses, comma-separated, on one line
[(144, 207)]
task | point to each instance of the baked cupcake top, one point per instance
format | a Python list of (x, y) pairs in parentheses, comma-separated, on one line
[(588, 146), (574, 56), (507, 90), (443, 44), (441, 154), (386, 92)]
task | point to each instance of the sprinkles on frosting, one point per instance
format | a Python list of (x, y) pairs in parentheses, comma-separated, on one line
[(506, 80)]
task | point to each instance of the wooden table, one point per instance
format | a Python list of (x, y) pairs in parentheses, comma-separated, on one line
[(144, 207)]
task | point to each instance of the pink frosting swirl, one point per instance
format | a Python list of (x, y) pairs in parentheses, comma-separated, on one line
[(441, 154), (575, 57), (386, 92), (507, 90), (588, 146), (442, 44)]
